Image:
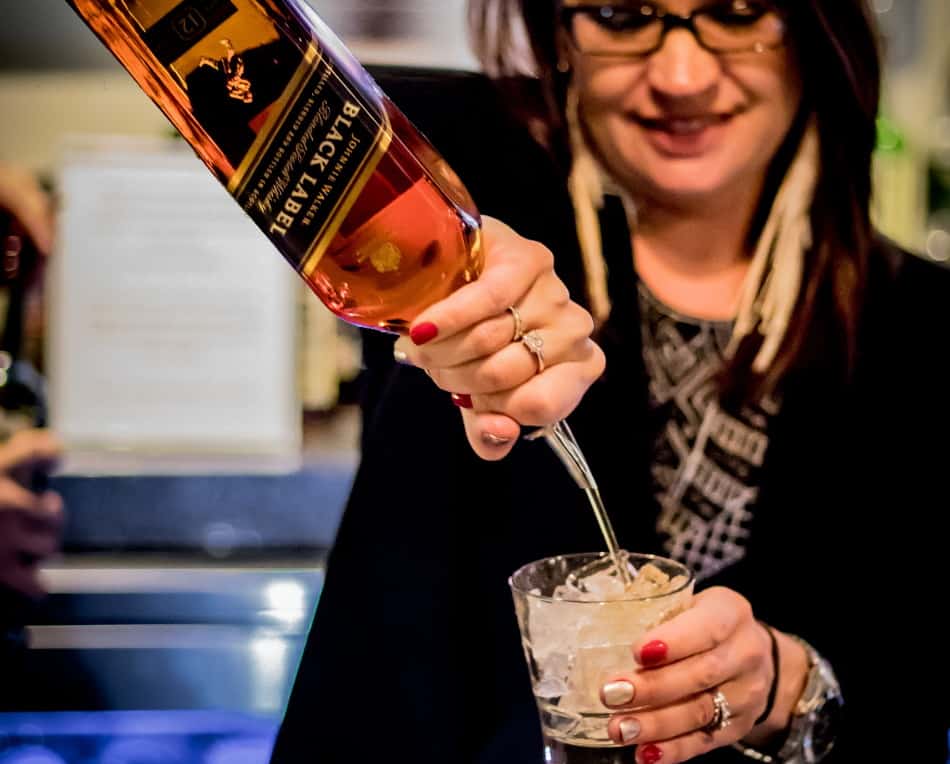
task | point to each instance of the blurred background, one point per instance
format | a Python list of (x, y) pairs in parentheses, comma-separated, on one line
[(200, 510)]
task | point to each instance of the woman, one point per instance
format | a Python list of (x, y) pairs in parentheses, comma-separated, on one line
[(705, 194)]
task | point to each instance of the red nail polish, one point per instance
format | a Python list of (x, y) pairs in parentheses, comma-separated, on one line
[(424, 333), (462, 400), (653, 653), (650, 754)]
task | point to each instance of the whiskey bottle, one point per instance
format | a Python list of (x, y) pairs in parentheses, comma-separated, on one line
[(350, 193)]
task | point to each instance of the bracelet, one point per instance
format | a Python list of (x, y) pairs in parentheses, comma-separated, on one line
[(755, 755), (773, 690), (748, 751)]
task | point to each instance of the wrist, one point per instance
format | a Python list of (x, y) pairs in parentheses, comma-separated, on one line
[(793, 672), (806, 733)]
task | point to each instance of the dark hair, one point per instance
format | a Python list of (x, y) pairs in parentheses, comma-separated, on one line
[(838, 56)]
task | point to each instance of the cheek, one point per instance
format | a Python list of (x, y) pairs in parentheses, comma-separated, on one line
[(772, 92), (792, 99), (605, 95), (604, 88), (778, 86), (778, 117)]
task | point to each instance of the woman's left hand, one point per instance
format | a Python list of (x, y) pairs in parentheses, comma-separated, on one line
[(715, 646)]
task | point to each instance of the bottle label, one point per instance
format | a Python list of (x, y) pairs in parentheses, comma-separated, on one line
[(304, 129), (319, 145), (186, 24)]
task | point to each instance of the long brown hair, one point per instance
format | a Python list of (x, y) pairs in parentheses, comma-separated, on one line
[(837, 50)]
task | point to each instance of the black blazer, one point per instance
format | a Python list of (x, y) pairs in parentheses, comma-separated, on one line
[(414, 654)]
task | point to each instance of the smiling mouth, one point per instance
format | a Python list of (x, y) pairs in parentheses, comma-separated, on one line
[(683, 125)]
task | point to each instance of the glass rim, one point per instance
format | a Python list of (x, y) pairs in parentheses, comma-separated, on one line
[(690, 578)]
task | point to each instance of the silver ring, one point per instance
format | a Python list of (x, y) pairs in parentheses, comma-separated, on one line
[(519, 326), (535, 344), (722, 714)]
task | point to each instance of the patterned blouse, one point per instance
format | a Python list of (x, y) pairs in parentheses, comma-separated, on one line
[(707, 463)]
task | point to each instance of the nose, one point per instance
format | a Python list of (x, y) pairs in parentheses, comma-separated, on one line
[(682, 68)]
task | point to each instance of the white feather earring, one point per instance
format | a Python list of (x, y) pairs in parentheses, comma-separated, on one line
[(772, 286), (586, 187)]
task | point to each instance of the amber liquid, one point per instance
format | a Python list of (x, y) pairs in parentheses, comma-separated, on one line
[(556, 752), (412, 235), (413, 216)]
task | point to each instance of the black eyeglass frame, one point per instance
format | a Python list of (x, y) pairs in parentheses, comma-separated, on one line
[(669, 21)]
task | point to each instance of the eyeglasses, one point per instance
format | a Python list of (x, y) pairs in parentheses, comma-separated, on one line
[(639, 28)]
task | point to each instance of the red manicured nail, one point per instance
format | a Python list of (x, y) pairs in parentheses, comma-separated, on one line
[(653, 653), (650, 754), (424, 333), (462, 400)]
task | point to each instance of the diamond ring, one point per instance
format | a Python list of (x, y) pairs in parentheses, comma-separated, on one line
[(535, 344), (722, 714)]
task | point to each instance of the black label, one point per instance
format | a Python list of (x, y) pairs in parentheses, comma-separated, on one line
[(299, 184), (180, 30)]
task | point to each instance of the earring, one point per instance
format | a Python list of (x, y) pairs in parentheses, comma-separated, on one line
[(773, 284), (586, 186), (563, 66)]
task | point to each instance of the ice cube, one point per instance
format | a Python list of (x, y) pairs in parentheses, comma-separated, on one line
[(551, 687), (552, 625), (650, 581), (559, 721), (677, 582), (603, 586)]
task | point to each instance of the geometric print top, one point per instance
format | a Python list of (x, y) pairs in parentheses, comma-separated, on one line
[(707, 464)]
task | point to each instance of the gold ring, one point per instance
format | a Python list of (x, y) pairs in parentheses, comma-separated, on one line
[(519, 326)]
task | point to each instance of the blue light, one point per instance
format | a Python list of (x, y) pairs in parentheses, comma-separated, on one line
[(136, 737), (30, 754)]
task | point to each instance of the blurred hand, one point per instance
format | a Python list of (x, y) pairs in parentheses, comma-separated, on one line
[(22, 197), (465, 343), (30, 524), (715, 645)]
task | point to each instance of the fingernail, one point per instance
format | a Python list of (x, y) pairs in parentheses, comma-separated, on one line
[(401, 357), (424, 333), (493, 440), (462, 400), (653, 653), (629, 730), (650, 754), (618, 693)]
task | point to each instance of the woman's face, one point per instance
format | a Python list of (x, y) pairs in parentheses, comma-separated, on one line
[(684, 125)]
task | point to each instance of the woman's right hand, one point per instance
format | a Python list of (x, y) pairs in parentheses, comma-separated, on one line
[(466, 343)]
